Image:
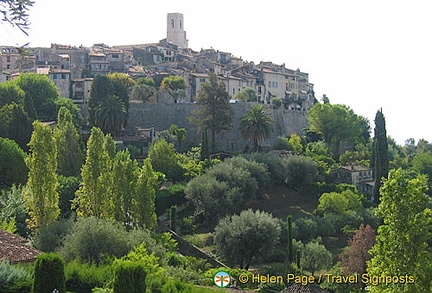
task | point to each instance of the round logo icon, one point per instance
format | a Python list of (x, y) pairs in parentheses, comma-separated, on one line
[(221, 279)]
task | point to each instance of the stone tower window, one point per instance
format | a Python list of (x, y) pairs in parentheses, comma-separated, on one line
[(172, 23)]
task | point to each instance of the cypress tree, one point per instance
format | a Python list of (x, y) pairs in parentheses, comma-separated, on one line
[(205, 153), (290, 240), (49, 274), (380, 160)]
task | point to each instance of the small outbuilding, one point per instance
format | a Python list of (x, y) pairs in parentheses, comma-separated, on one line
[(14, 249)]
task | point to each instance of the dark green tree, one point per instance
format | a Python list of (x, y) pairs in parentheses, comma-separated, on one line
[(13, 169), (402, 243), (42, 92), (129, 277), (290, 240), (10, 92), (49, 274), (256, 125), (215, 113), (380, 161), (102, 87), (240, 238), (15, 124), (77, 117), (175, 86), (110, 114), (204, 152)]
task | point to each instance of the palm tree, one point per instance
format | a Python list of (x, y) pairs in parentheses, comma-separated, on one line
[(256, 125), (110, 114)]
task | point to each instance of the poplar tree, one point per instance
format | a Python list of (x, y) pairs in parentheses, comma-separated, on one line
[(67, 138), (91, 199), (380, 160), (144, 211), (41, 196)]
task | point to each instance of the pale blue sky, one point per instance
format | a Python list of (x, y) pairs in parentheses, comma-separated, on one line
[(365, 54)]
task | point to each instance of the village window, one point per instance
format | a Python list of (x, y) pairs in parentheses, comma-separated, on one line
[(270, 83), (180, 23), (202, 80), (172, 23), (115, 55), (8, 59), (233, 91)]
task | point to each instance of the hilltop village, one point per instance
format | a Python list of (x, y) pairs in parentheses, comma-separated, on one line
[(73, 68)]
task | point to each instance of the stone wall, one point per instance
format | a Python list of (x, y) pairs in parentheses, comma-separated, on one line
[(163, 115)]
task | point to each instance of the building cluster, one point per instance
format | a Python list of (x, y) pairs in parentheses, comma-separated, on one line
[(72, 68)]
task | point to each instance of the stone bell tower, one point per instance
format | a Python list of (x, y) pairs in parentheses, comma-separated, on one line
[(175, 30)]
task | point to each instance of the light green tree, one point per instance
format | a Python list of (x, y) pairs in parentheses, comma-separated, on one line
[(92, 197), (67, 138), (247, 95), (164, 159), (315, 257), (256, 125), (402, 243), (41, 196)]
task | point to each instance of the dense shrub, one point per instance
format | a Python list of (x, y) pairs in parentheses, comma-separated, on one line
[(82, 277), (49, 274), (173, 195), (93, 239), (14, 278), (299, 171), (273, 163), (258, 171), (50, 237), (66, 189), (13, 169), (129, 277)]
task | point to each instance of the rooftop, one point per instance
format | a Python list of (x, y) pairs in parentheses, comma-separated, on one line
[(14, 248)]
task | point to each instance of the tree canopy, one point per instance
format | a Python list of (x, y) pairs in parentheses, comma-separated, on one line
[(256, 125)]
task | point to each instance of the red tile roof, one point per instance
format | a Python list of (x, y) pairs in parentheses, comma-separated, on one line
[(14, 248)]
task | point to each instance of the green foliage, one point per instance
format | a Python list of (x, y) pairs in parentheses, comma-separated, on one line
[(102, 86), (67, 138), (299, 171), (77, 118), (12, 209), (66, 189), (175, 86), (240, 238), (146, 81), (295, 142), (315, 257), (16, 13), (14, 278), (10, 93), (258, 171), (422, 163), (317, 148), (83, 277), (142, 92), (256, 125), (129, 277), (402, 241), (15, 124), (41, 196), (215, 114), (276, 102), (110, 114), (124, 79), (339, 203), (380, 160), (42, 92), (282, 143), (247, 95), (313, 227), (164, 159), (49, 274), (173, 195), (273, 163), (13, 169), (50, 238), (93, 240)]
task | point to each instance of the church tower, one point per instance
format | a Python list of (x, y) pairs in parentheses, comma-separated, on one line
[(175, 30)]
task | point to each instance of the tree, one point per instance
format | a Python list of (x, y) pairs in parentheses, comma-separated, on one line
[(67, 139), (380, 161), (10, 92), (15, 12), (142, 92), (102, 86), (123, 78), (49, 274), (241, 238), (256, 125), (402, 241), (42, 92), (215, 114), (179, 133), (146, 81), (175, 86), (204, 152), (77, 117), (422, 163), (129, 277), (315, 257), (41, 196), (16, 124), (336, 123), (247, 95), (354, 257), (110, 114), (91, 199), (164, 159), (295, 142), (299, 171), (13, 169)]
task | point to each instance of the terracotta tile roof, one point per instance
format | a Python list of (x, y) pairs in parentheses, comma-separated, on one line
[(309, 288), (14, 249)]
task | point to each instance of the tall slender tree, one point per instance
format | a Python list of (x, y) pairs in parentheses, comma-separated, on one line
[(256, 125), (41, 196), (215, 112), (67, 138), (380, 161)]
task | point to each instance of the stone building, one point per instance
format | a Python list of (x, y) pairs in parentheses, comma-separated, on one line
[(175, 30)]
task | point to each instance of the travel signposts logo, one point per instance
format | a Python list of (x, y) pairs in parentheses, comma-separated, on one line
[(221, 279)]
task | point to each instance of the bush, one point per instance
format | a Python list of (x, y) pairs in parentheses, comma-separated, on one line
[(300, 171), (82, 278), (276, 102), (66, 189), (14, 278), (13, 169), (93, 240), (273, 163), (50, 237), (259, 171), (129, 277), (282, 143), (49, 274), (173, 195)]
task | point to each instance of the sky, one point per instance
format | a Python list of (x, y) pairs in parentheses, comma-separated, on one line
[(365, 54)]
